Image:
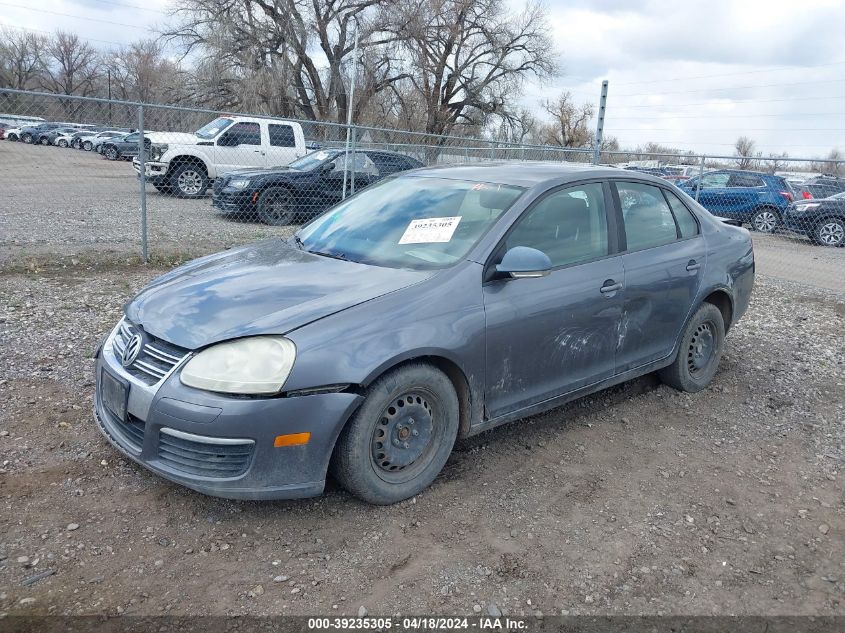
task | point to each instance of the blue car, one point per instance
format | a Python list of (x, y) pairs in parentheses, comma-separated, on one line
[(752, 197)]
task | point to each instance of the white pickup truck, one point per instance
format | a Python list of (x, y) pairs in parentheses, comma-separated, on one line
[(186, 164)]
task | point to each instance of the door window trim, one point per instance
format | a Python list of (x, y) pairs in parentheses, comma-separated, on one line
[(623, 235), (613, 244)]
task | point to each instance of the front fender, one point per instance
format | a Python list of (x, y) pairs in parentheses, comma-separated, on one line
[(175, 155)]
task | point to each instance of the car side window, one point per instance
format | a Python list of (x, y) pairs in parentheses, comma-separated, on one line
[(281, 135), (569, 225), (745, 180), (246, 133), (360, 162), (648, 219), (715, 180), (683, 216)]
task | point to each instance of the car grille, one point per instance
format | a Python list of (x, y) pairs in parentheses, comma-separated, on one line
[(156, 359), (204, 456), (132, 430)]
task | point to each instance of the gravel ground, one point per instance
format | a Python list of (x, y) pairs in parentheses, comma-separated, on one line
[(640, 500), (64, 202)]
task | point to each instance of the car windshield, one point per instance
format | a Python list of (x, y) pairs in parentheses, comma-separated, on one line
[(210, 130), (409, 222), (312, 160)]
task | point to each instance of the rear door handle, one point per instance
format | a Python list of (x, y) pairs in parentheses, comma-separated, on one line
[(610, 286), (693, 265)]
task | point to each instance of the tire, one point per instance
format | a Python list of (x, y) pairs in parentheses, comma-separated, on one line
[(111, 153), (26, 138), (765, 220), (162, 188), (699, 353), (62, 143), (87, 146), (44, 140), (829, 232), (76, 144), (276, 207), (189, 181), (422, 431), (12, 137)]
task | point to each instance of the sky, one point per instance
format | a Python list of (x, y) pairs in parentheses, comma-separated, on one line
[(691, 74)]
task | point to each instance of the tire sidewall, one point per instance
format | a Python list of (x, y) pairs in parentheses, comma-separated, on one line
[(692, 383), (111, 153), (264, 200), (62, 143), (771, 210), (174, 181), (817, 232), (358, 474)]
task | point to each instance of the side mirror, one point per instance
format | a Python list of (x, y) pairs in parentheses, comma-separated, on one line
[(523, 261)]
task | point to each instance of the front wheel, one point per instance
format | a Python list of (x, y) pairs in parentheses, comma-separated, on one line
[(62, 143), (27, 138), (276, 207), (700, 351), (44, 140), (400, 438), (830, 232), (765, 220), (111, 153), (189, 181), (87, 146)]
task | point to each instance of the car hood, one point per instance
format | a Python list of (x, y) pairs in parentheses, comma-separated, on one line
[(268, 287), (252, 172), (175, 138)]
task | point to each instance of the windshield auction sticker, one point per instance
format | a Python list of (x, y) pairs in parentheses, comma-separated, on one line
[(430, 230)]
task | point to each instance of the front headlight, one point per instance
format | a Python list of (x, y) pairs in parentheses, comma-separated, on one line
[(253, 365), (158, 151), (238, 183)]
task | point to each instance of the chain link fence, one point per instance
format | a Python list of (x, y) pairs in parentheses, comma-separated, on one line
[(80, 180)]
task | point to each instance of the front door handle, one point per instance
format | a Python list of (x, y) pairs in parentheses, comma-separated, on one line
[(610, 286), (693, 265)]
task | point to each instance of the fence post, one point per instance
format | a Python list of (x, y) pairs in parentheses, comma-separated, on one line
[(352, 167), (600, 124), (142, 178), (700, 176)]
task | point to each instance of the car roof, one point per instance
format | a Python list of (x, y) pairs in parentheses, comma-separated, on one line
[(745, 172), (530, 173)]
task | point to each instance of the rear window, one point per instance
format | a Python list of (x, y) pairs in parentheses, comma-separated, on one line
[(745, 180)]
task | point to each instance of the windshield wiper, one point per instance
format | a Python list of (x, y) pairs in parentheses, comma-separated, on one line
[(340, 256), (298, 241)]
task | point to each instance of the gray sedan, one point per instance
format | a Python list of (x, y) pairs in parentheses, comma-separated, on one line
[(431, 306)]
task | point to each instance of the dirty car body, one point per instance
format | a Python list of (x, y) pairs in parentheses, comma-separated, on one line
[(611, 303)]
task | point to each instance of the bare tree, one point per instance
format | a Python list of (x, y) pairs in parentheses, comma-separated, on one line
[(302, 48), (141, 72), (570, 125), (745, 152), (467, 59), (775, 162), (20, 58)]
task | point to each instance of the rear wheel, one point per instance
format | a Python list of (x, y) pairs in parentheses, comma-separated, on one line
[(765, 220), (62, 143), (189, 181), (111, 153), (830, 232), (87, 146), (400, 438), (699, 353), (26, 138), (276, 207), (44, 140)]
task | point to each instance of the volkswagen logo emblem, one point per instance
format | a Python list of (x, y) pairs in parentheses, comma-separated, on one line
[(132, 349)]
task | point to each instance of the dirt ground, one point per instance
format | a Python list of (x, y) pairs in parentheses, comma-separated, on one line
[(640, 500)]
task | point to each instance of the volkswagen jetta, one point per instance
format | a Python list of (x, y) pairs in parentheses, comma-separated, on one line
[(430, 306)]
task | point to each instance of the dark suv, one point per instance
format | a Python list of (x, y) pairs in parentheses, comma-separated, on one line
[(748, 196), (306, 187)]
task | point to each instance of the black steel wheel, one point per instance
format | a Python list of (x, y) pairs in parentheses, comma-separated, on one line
[(400, 438), (699, 352)]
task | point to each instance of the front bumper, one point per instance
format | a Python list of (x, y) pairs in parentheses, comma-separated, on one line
[(153, 170), (239, 201), (802, 223), (219, 445)]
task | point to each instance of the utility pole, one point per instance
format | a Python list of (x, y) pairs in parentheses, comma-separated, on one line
[(110, 118), (349, 103), (600, 123)]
